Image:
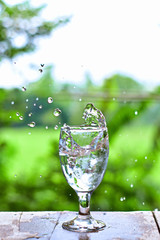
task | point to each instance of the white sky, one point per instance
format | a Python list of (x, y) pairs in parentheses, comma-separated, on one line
[(103, 37)]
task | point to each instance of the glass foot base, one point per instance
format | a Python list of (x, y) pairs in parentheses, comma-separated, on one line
[(84, 223)]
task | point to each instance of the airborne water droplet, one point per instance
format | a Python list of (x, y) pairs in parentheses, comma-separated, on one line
[(40, 106), (56, 127), (57, 112), (46, 127), (29, 133), (10, 116), (26, 106), (50, 100), (136, 112), (80, 99), (24, 89), (34, 104), (131, 185), (27, 100), (37, 99), (12, 102), (40, 176), (21, 117), (17, 114), (32, 124), (145, 157), (30, 114)]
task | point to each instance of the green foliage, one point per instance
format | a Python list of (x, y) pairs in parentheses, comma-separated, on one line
[(23, 20)]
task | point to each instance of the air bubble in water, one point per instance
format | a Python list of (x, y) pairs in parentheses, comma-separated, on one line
[(57, 112), (30, 114), (46, 127), (32, 124), (29, 133), (40, 106), (12, 102), (50, 100), (34, 104), (56, 127), (21, 117), (114, 99), (80, 99), (136, 112), (121, 199), (26, 106), (131, 185), (37, 99), (10, 116), (145, 157), (136, 160), (27, 100), (17, 114), (40, 176), (143, 203), (24, 89)]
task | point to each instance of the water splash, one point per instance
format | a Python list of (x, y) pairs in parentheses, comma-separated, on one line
[(32, 124), (93, 117), (24, 89), (50, 99), (57, 112)]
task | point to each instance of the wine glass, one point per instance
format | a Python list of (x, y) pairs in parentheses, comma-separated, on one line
[(84, 155)]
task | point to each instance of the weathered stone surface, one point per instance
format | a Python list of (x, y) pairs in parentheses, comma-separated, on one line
[(48, 226), (120, 225)]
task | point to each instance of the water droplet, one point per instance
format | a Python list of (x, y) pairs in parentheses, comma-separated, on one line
[(26, 106), (30, 114), (40, 70), (21, 117), (40, 176), (156, 209), (37, 99), (27, 100), (70, 194), (136, 160), (32, 124), (12, 102), (10, 116), (127, 179), (57, 112), (80, 99), (29, 133), (56, 127), (131, 185), (24, 89), (50, 100), (114, 99), (40, 106), (17, 114), (136, 112), (46, 127), (34, 104), (143, 203), (145, 157), (121, 199), (105, 191)]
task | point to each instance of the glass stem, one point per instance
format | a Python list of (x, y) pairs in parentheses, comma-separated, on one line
[(84, 203)]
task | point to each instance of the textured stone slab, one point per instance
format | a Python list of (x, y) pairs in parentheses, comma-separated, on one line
[(47, 226), (157, 218), (120, 225)]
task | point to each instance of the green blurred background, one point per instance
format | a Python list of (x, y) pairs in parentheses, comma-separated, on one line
[(30, 171)]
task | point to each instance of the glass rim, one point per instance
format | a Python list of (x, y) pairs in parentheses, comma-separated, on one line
[(81, 127)]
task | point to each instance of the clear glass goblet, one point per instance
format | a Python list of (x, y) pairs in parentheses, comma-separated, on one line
[(84, 155)]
